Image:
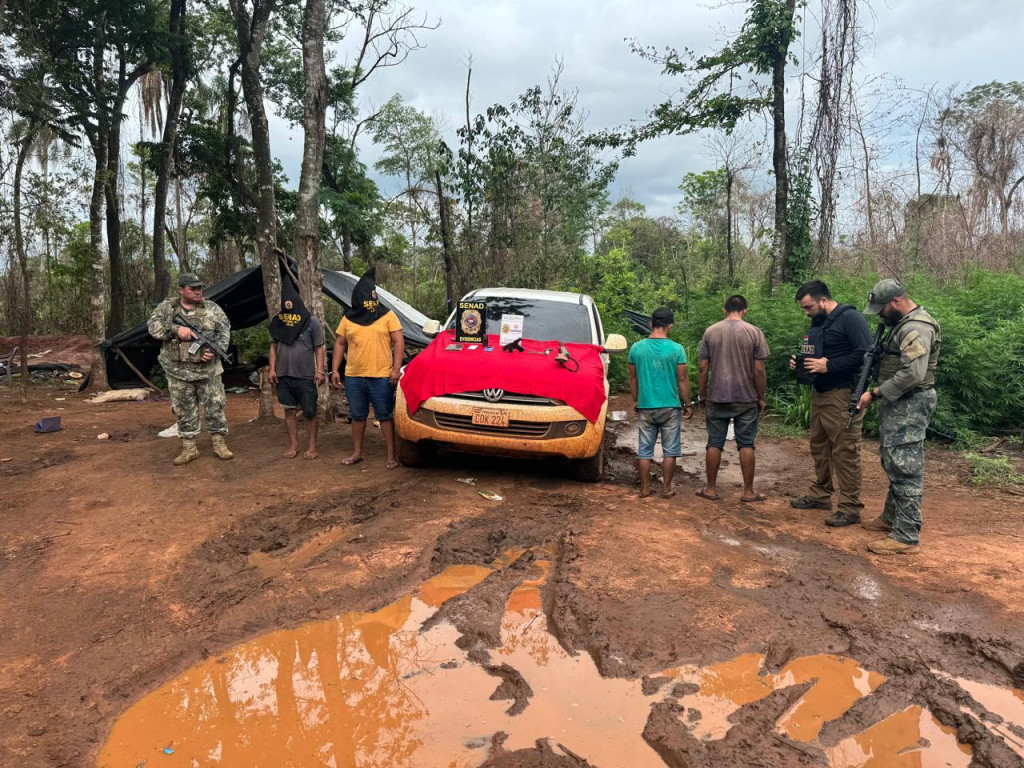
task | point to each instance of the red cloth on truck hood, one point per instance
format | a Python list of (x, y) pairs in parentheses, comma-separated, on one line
[(436, 371)]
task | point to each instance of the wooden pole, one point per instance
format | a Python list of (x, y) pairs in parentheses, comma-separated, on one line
[(136, 371)]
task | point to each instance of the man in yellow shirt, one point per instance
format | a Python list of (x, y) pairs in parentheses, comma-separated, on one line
[(369, 339)]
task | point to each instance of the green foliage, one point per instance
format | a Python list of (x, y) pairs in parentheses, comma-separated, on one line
[(800, 215), (158, 376), (793, 406), (993, 472), (252, 343), (63, 304), (711, 99), (980, 377)]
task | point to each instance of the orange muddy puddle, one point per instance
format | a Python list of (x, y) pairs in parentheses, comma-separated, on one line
[(375, 690), (727, 686), (1008, 703), (898, 742)]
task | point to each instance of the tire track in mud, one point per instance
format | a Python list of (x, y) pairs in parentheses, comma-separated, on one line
[(853, 619), (887, 627)]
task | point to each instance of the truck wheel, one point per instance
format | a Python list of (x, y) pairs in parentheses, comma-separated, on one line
[(588, 470), (413, 454)]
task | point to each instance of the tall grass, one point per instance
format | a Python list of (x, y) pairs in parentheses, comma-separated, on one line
[(980, 378)]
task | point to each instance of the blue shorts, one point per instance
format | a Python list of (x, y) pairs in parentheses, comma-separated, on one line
[(297, 393), (744, 421), (361, 391), (665, 421)]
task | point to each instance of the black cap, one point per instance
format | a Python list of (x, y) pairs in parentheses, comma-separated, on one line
[(190, 280), (663, 316)]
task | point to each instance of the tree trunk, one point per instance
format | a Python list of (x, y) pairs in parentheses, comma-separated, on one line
[(98, 376), (442, 207), (869, 202), (115, 320), (307, 236), (780, 160), (25, 315), (180, 231), (728, 226), (251, 33), (179, 77), (346, 251), (125, 82)]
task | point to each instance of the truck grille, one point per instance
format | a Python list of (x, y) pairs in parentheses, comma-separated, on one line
[(510, 398), (455, 421)]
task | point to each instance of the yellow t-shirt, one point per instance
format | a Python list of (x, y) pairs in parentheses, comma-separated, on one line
[(369, 346)]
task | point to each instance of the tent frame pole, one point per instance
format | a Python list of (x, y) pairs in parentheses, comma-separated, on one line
[(137, 372)]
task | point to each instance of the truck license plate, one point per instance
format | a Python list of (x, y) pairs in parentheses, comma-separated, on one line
[(490, 417)]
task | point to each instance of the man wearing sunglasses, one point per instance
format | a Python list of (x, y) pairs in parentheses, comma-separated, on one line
[(906, 391)]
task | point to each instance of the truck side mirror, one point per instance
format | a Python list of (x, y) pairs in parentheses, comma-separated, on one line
[(431, 328), (615, 343)]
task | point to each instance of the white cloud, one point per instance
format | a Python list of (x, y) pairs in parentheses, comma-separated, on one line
[(513, 44)]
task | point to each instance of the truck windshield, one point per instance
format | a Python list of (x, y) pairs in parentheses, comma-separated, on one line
[(542, 320)]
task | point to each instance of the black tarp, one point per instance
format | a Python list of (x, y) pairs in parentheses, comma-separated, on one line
[(641, 323), (241, 297)]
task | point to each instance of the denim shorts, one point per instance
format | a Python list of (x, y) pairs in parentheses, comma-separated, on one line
[(361, 391), (293, 392), (744, 418), (665, 421)]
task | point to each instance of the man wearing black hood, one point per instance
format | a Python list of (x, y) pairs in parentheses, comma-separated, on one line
[(297, 366), (370, 340)]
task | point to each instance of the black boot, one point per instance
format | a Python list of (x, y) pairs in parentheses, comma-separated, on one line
[(841, 520)]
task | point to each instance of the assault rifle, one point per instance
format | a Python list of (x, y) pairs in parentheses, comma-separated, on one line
[(201, 340), (868, 370)]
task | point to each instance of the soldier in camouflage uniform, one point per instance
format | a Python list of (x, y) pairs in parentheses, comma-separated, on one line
[(906, 387), (193, 378)]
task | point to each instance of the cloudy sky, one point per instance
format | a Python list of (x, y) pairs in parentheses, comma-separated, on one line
[(513, 44)]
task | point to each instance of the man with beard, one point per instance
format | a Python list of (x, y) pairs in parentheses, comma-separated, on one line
[(832, 354), (297, 367), (906, 389), (370, 340), (193, 371)]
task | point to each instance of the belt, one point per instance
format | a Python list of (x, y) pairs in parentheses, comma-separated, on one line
[(832, 387)]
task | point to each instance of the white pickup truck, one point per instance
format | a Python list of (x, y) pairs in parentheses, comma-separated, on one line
[(529, 426)]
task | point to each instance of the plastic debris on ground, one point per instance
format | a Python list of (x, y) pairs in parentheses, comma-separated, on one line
[(491, 495), (237, 390), (618, 416), (49, 424), (466, 480), (119, 396), (103, 436)]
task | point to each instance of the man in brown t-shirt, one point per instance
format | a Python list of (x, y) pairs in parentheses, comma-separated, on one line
[(733, 352)]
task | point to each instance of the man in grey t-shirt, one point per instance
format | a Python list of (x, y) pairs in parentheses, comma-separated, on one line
[(297, 368), (732, 352)]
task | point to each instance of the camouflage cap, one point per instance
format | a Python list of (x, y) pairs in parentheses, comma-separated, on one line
[(190, 280), (883, 292)]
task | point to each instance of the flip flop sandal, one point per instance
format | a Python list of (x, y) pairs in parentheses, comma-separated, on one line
[(705, 495), (349, 462)]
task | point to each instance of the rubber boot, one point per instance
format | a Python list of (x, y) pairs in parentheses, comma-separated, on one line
[(221, 448), (189, 452)]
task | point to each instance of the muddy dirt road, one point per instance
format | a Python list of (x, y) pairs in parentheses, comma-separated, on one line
[(278, 612)]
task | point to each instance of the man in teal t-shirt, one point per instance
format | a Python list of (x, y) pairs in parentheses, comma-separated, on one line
[(657, 377)]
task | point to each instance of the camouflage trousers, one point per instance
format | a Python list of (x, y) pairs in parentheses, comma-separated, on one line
[(902, 426), (187, 397)]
